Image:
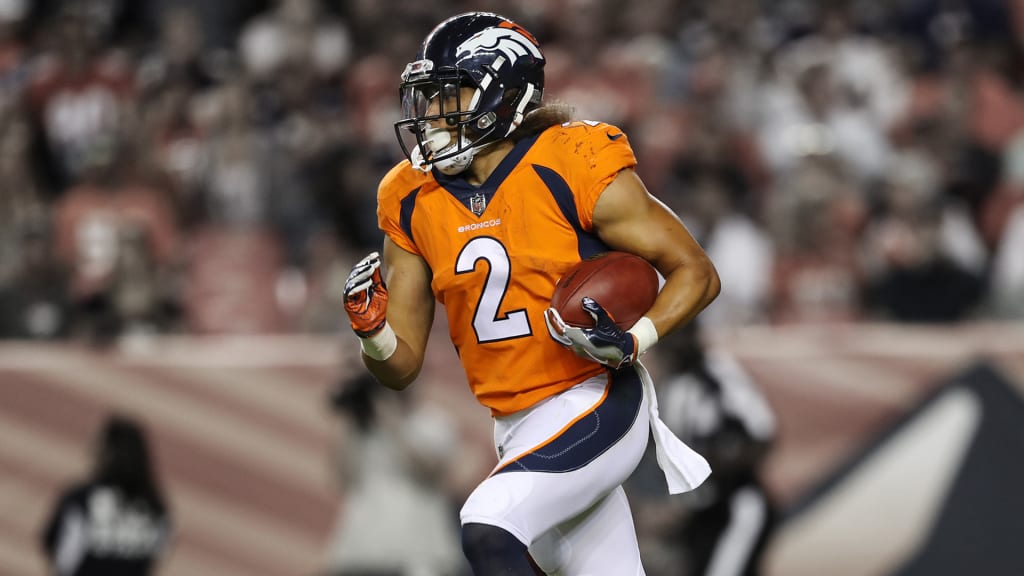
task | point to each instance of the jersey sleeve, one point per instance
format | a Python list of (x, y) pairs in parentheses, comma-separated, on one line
[(393, 189), (607, 153)]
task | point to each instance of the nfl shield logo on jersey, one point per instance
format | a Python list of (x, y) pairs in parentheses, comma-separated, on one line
[(478, 203)]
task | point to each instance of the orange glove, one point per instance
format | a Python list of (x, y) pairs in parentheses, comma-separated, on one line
[(366, 297)]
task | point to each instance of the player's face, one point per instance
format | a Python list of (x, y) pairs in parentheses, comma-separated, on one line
[(443, 103), (440, 108)]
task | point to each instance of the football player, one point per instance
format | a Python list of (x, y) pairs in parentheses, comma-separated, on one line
[(500, 194)]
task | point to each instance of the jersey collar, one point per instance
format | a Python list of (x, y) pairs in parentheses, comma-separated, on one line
[(463, 191)]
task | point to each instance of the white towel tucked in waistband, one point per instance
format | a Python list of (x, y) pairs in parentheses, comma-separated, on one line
[(684, 468)]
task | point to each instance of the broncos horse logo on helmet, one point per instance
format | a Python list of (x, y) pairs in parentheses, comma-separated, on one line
[(488, 53), (510, 42)]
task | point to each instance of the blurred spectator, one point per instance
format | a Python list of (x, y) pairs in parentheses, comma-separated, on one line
[(218, 22), (723, 74), (353, 198), (1007, 195), (924, 259), (110, 22), (294, 33), (241, 217), (80, 95), (742, 253), (14, 51), (117, 234), (807, 115), (309, 130), (22, 203), (328, 265), (723, 526), (116, 521), (238, 182), (34, 299), (177, 57), (1003, 226), (863, 69), (815, 218), (295, 56), (171, 134), (394, 456), (963, 112), (1008, 268), (354, 168)]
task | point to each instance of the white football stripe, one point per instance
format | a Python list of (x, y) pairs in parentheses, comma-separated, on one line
[(881, 512)]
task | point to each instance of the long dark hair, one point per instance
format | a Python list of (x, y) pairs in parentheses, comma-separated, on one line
[(124, 461), (542, 118)]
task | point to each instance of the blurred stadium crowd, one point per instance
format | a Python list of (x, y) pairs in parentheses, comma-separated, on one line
[(188, 166)]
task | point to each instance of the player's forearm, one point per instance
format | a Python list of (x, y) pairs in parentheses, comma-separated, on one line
[(688, 289), (398, 370)]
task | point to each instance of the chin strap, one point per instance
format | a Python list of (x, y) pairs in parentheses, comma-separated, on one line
[(417, 161)]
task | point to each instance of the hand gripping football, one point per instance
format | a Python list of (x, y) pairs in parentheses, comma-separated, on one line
[(624, 284)]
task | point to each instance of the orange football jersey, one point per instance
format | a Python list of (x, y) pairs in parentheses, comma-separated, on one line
[(497, 250)]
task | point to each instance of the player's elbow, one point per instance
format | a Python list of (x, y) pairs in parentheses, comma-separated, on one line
[(393, 375), (399, 381), (712, 282), (403, 381)]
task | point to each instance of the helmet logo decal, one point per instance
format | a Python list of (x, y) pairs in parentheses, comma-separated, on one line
[(520, 29), (507, 41)]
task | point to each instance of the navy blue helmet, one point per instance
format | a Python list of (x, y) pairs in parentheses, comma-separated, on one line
[(496, 58)]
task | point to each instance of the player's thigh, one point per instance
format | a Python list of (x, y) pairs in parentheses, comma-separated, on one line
[(563, 458), (601, 540)]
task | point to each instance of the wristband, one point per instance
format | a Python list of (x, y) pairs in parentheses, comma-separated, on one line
[(381, 345), (646, 334)]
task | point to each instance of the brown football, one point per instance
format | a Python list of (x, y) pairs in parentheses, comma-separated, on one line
[(624, 284)]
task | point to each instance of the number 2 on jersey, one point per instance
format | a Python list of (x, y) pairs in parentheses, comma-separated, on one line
[(488, 322)]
